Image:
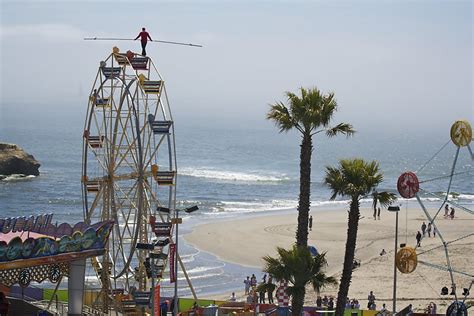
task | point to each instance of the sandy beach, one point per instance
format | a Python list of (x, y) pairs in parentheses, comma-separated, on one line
[(246, 241)]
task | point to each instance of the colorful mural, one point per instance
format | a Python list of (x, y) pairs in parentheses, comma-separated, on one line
[(32, 249), (91, 238)]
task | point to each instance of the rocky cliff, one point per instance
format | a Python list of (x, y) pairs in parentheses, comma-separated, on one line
[(14, 160)]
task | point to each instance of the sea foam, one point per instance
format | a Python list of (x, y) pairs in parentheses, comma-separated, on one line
[(227, 175)]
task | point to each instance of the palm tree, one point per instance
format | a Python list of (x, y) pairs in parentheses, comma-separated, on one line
[(297, 267), (356, 179), (310, 114)]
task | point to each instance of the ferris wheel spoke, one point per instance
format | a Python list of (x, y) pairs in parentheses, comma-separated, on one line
[(445, 268), (101, 163), (154, 152), (93, 206), (130, 176), (118, 251), (444, 197), (126, 197), (129, 146), (152, 198), (146, 124)]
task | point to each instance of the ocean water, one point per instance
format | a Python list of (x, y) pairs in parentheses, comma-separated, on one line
[(228, 172)]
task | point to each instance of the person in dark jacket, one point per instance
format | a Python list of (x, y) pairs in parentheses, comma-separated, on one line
[(418, 239)]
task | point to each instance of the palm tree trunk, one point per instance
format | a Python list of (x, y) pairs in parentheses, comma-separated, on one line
[(297, 302), (305, 190), (375, 196), (346, 277)]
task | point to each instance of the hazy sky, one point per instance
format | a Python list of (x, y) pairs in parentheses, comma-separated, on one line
[(405, 64)]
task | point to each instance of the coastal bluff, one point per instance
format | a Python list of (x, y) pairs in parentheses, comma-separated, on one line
[(14, 160)]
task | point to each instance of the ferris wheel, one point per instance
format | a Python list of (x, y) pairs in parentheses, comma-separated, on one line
[(128, 165), (411, 186)]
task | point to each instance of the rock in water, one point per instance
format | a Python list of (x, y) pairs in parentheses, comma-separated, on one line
[(14, 160)]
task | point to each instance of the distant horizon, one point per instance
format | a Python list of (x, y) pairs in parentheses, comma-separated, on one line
[(15, 116)]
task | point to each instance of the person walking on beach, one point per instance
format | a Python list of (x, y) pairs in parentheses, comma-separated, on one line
[(452, 213), (428, 230), (247, 285), (310, 223), (378, 213), (418, 239), (446, 211), (371, 299), (144, 36), (423, 228)]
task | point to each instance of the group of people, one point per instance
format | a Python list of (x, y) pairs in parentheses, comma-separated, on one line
[(352, 304), (448, 212), (250, 283), (427, 229), (253, 295), (328, 303), (431, 309), (325, 302)]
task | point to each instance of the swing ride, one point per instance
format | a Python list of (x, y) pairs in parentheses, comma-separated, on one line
[(411, 186), (129, 172)]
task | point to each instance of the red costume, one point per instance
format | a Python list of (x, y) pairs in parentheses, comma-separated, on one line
[(144, 36)]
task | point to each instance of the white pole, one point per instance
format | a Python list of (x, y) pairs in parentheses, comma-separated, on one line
[(175, 308), (395, 266), (152, 292), (77, 270)]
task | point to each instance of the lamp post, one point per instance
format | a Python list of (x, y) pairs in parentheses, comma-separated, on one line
[(395, 209)]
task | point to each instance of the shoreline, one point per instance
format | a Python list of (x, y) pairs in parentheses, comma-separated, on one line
[(245, 240)]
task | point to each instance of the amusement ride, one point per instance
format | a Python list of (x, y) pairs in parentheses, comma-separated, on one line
[(129, 175), (411, 185)]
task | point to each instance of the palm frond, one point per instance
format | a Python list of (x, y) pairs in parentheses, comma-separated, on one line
[(386, 198), (281, 116), (354, 177), (335, 181), (297, 267), (308, 111), (341, 128)]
